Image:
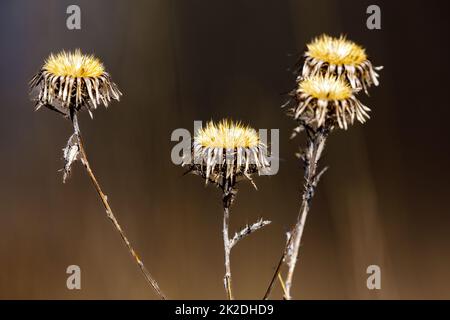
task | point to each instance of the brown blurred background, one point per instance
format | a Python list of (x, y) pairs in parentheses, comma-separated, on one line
[(384, 200)]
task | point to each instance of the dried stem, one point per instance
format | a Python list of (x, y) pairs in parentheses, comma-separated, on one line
[(277, 272), (282, 284), (109, 211), (310, 158), (238, 236), (229, 193), (227, 198)]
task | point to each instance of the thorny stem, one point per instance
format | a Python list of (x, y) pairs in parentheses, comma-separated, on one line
[(315, 145), (227, 198), (109, 211)]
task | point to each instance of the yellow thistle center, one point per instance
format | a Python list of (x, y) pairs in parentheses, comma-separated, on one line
[(74, 64), (326, 87), (337, 51), (228, 135)]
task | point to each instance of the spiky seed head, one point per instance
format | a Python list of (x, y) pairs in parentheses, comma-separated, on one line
[(70, 81), (326, 87), (73, 64), (227, 150), (340, 57), (337, 51), (227, 135), (327, 100)]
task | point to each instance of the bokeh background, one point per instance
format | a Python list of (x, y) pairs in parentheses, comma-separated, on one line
[(384, 200)]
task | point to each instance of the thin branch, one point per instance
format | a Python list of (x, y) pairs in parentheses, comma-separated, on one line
[(247, 230), (109, 211), (282, 284), (279, 265), (276, 273)]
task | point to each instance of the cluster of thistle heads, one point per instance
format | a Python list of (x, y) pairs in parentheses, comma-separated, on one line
[(334, 71)]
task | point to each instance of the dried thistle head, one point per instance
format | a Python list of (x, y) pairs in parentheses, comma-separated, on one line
[(227, 150), (327, 99), (70, 81), (341, 57)]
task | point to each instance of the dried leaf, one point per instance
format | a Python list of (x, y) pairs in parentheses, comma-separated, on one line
[(71, 154)]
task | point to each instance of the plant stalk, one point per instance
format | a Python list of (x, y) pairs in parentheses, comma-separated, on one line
[(104, 199), (315, 145), (227, 198)]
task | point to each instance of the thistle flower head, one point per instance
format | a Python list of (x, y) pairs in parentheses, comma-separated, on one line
[(227, 150), (326, 87), (73, 64), (340, 56), (70, 81), (227, 135), (337, 51), (327, 99)]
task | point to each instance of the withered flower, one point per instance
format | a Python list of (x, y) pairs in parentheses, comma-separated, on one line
[(222, 153), (326, 98), (341, 57), (70, 81), (334, 70), (227, 150)]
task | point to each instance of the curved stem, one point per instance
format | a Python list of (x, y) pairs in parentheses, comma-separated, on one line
[(110, 213)]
